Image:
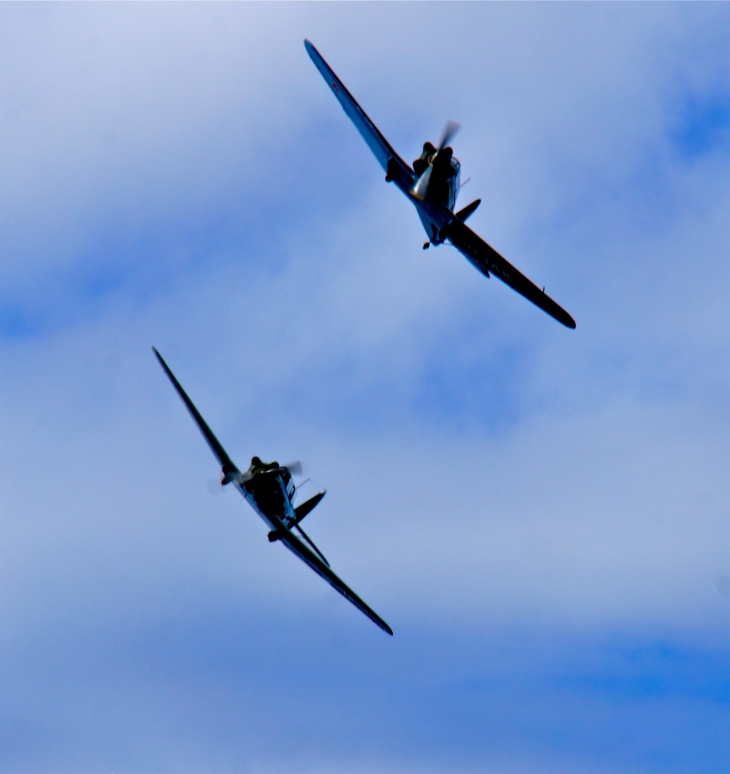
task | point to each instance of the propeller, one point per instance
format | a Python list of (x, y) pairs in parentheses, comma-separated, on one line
[(214, 486), (225, 478), (240, 477), (450, 131), (295, 468), (420, 189)]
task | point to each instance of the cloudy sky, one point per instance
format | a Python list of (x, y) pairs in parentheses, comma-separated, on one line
[(542, 515)]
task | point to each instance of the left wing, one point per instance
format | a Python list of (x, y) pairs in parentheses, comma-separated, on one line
[(488, 260), (390, 161), (227, 465), (296, 546)]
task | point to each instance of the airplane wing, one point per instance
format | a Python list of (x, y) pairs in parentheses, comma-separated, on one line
[(215, 446), (296, 546), (389, 160), (488, 260)]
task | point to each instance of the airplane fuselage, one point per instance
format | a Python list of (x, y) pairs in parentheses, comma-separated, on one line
[(442, 189), (434, 190), (269, 492)]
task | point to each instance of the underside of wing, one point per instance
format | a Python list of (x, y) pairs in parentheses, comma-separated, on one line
[(309, 557), (390, 161), (489, 261), (215, 446)]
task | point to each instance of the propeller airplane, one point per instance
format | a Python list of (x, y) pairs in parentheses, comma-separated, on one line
[(270, 490), (432, 185)]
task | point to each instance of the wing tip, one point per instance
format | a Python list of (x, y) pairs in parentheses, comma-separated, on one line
[(380, 623), (555, 311), (311, 50)]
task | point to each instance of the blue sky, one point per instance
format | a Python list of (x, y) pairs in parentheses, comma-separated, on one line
[(541, 515)]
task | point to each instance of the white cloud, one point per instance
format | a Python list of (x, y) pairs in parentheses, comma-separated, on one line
[(193, 154)]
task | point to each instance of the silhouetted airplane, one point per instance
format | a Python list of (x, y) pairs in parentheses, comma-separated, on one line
[(269, 490), (432, 186)]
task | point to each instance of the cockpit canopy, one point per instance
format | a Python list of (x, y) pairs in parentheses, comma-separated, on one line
[(257, 464)]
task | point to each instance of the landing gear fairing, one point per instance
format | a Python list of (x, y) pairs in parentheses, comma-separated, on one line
[(270, 490), (432, 185)]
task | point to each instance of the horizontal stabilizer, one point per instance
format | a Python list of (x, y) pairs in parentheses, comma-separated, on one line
[(307, 507), (469, 210)]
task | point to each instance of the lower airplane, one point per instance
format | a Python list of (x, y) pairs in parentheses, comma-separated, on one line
[(432, 185), (269, 490)]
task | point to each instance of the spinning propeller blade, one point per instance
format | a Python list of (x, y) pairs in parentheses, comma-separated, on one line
[(214, 486), (450, 131), (242, 478), (295, 468), (420, 187)]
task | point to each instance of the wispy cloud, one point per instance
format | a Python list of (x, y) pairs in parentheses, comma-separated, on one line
[(542, 515)]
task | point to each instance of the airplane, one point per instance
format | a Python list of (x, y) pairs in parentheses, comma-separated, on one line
[(432, 185), (269, 490)]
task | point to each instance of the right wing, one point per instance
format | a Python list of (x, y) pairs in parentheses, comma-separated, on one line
[(488, 260), (220, 453), (389, 160), (296, 546)]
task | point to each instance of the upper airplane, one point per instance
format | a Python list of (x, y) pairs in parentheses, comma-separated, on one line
[(432, 185), (269, 490)]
